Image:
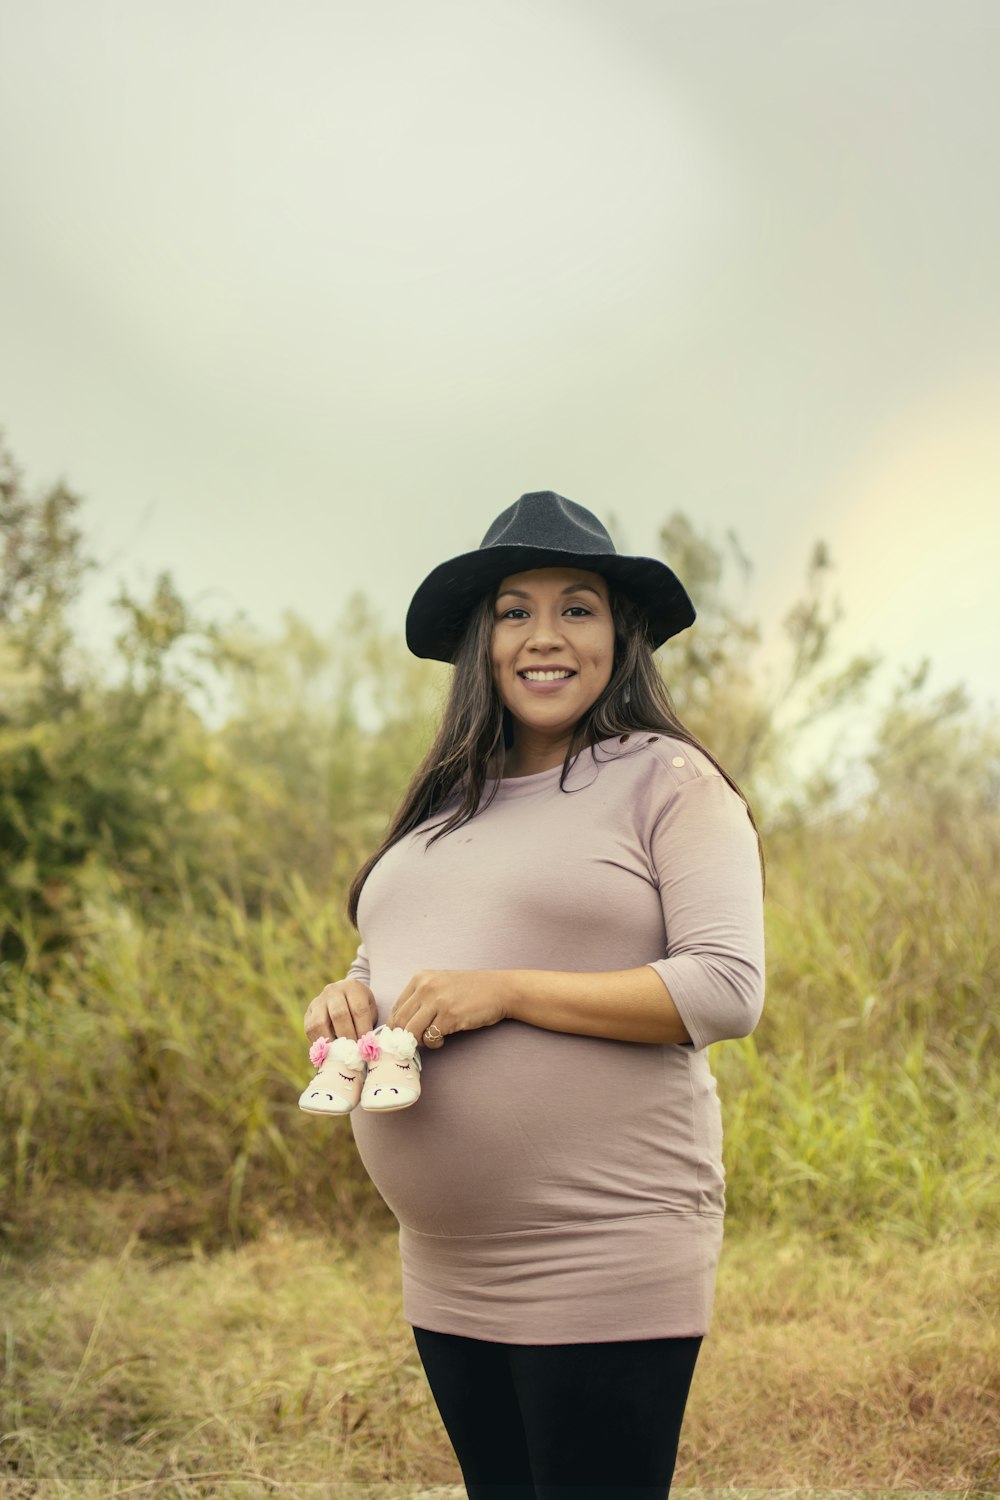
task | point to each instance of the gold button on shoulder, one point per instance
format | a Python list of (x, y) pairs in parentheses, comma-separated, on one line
[(678, 760)]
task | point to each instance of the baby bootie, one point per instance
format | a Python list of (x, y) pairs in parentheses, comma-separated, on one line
[(393, 1080), (336, 1088)]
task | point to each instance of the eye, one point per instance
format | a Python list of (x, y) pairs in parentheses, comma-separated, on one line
[(517, 610)]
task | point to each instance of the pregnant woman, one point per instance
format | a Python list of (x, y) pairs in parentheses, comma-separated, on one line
[(566, 911)]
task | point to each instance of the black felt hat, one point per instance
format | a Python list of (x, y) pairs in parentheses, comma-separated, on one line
[(541, 530)]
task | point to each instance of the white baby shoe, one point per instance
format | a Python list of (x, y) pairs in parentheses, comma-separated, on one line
[(336, 1089), (393, 1080)]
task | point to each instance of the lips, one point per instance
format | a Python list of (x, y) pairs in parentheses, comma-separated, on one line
[(546, 686)]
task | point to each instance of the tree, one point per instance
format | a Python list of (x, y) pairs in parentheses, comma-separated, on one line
[(746, 717), (97, 777)]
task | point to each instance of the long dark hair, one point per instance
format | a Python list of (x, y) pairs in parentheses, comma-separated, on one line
[(475, 725)]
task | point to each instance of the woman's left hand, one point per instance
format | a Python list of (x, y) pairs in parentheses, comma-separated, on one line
[(452, 1000)]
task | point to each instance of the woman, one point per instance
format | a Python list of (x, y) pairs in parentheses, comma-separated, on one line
[(570, 897)]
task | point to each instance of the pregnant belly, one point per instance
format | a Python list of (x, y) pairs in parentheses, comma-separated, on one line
[(519, 1128)]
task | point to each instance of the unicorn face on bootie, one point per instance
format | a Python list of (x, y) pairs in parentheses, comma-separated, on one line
[(380, 1071)]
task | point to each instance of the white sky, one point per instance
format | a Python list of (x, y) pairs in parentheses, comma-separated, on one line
[(300, 295)]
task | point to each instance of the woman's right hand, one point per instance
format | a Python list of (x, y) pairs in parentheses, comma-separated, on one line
[(346, 1008)]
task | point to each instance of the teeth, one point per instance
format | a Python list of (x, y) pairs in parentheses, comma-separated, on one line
[(545, 676)]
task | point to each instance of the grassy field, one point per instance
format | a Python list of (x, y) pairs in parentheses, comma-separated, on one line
[(168, 1056), (200, 1290), (284, 1367)]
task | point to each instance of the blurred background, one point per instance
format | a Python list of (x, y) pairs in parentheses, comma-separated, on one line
[(293, 301), (299, 297)]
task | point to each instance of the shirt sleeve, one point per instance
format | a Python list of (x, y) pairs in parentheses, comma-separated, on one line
[(704, 851), (360, 968)]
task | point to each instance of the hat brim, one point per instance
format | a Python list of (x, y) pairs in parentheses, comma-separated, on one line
[(440, 608)]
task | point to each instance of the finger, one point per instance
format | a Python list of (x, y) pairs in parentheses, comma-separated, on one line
[(371, 1008), (398, 1015), (367, 1012), (363, 1007), (316, 1024), (358, 1012), (405, 995), (315, 1021), (420, 1026), (407, 1006), (337, 1013), (342, 1020), (401, 1018)]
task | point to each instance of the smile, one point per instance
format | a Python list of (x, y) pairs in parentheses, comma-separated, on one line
[(544, 684)]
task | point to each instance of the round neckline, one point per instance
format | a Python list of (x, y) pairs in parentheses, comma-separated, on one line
[(512, 786), (533, 776)]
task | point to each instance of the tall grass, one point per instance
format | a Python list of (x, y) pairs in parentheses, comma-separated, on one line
[(168, 1057), (868, 1096)]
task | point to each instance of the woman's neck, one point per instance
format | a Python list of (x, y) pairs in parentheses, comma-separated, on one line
[(530, 760)]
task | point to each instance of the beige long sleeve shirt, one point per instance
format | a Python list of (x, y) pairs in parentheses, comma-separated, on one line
[(553, 1188)]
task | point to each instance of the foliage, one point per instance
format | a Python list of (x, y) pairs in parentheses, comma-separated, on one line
[(168, 1056), (116, 780), (173, 877), (719, 686), (307, 742), (98, 778)]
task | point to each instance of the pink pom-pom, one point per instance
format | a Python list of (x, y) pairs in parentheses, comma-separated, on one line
[(369, 1047), (318, 1051)]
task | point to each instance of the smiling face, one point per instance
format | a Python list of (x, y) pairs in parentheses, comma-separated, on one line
[(552, 655)]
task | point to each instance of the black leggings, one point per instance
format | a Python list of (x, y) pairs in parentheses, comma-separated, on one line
[(561, 1421)]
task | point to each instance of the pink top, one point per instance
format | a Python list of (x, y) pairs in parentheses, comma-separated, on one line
[(552, 1188)]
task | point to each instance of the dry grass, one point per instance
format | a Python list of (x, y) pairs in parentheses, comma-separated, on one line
[(285, 1367), (874, 1369)]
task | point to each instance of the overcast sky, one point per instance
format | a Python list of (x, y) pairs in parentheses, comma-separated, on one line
[(300, 295)]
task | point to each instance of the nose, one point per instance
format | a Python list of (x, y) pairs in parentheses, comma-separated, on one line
[(545, 631)]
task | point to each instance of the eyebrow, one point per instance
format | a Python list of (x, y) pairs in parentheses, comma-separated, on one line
[(571, 588)]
